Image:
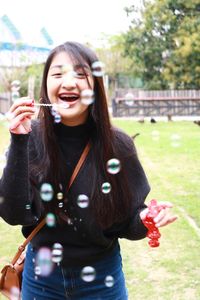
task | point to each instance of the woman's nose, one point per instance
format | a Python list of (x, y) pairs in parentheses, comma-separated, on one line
[(69, 81)]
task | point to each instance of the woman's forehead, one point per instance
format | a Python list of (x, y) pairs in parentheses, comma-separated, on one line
[(65, 58)]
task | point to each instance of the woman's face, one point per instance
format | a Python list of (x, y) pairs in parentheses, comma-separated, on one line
[(65, 83)]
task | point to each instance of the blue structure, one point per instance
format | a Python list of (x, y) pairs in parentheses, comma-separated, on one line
[(15, 52)]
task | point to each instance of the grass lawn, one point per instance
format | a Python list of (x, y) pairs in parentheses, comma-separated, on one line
[(169, 152)]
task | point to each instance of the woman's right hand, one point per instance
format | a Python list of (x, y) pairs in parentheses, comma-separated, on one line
[(19, 116)]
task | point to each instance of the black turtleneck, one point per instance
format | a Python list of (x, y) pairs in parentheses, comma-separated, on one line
[(72, 141), (83, 240)]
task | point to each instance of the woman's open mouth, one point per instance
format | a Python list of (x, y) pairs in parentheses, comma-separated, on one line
[(70, 99)]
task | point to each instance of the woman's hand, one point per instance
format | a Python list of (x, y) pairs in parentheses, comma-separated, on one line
[(19, 116), (164, 217)]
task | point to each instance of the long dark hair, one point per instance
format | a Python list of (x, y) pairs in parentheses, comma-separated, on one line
[(107, 208)]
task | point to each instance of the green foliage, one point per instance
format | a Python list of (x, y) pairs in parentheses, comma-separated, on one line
[(117, 66), (164, 45)]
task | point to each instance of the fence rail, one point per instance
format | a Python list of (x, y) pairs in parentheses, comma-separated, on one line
[(156, 103)]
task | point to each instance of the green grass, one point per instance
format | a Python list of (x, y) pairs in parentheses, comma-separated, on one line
[(171, 271)]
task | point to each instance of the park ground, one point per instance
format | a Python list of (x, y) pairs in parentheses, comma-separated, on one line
[(169, 153)]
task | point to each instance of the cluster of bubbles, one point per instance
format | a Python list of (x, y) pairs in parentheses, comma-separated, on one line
[(46, 259), (175, 139), (88, 274)]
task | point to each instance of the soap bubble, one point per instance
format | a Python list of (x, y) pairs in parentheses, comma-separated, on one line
[(106, 187), (129, 99), (44, 261), (59, 196), (88, 274), (97, 68), (46, 192), (83, 201), (57, 253), (50, 220), (155, 135), (60, 204), (57, 118), (175, 140), (14, 293), (87, 97), (109, 281), (113, 166)]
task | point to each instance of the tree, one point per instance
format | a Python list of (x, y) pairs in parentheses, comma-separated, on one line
[(163, 44)]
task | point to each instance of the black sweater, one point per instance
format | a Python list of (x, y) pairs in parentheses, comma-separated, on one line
[(82, 239)]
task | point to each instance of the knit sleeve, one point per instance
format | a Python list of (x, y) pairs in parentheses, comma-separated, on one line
[(19, 199)]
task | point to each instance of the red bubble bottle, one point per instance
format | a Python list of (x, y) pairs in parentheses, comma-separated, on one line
[(153, 233)]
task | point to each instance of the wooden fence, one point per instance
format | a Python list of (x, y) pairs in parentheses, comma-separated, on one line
[(5, 102), (156, 103)]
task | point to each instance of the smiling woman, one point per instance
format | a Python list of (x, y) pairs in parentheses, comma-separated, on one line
[(76, 254), (65, 83)]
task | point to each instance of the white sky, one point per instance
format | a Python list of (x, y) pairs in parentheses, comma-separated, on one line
[(64, 20)]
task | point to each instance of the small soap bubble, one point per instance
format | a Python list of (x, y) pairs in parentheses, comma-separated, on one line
[(15, 85), (60, 204), (44, 261), (83, 201), (106, 187), (15, 96), (70, 221), (46, 192), (14, 293), (66, 68), (155, 135), (28, 206), (65, 105), (50, 220), (113, 166), (59, 196), (109, 281), (88, 274), (129, 99), (57, 118), (97, 68), (175, 140), (37, 270), (57, 253), (54, 110), (87, 97)]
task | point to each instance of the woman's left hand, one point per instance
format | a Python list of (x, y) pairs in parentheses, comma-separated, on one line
[(164, 217)]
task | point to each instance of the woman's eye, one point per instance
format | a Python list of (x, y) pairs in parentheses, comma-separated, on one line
[(57, 74), (79, 74)]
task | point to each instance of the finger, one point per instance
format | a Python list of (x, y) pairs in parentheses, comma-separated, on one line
[(20, 102), (22, 109), (143, 213), (161, 215), (167, 220), (19, 119), (165, 204), (27, 124)]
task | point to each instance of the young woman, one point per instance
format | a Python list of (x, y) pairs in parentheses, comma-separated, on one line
[(76, 255)]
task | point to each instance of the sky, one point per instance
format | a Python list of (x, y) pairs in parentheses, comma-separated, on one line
[(75, 20)]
